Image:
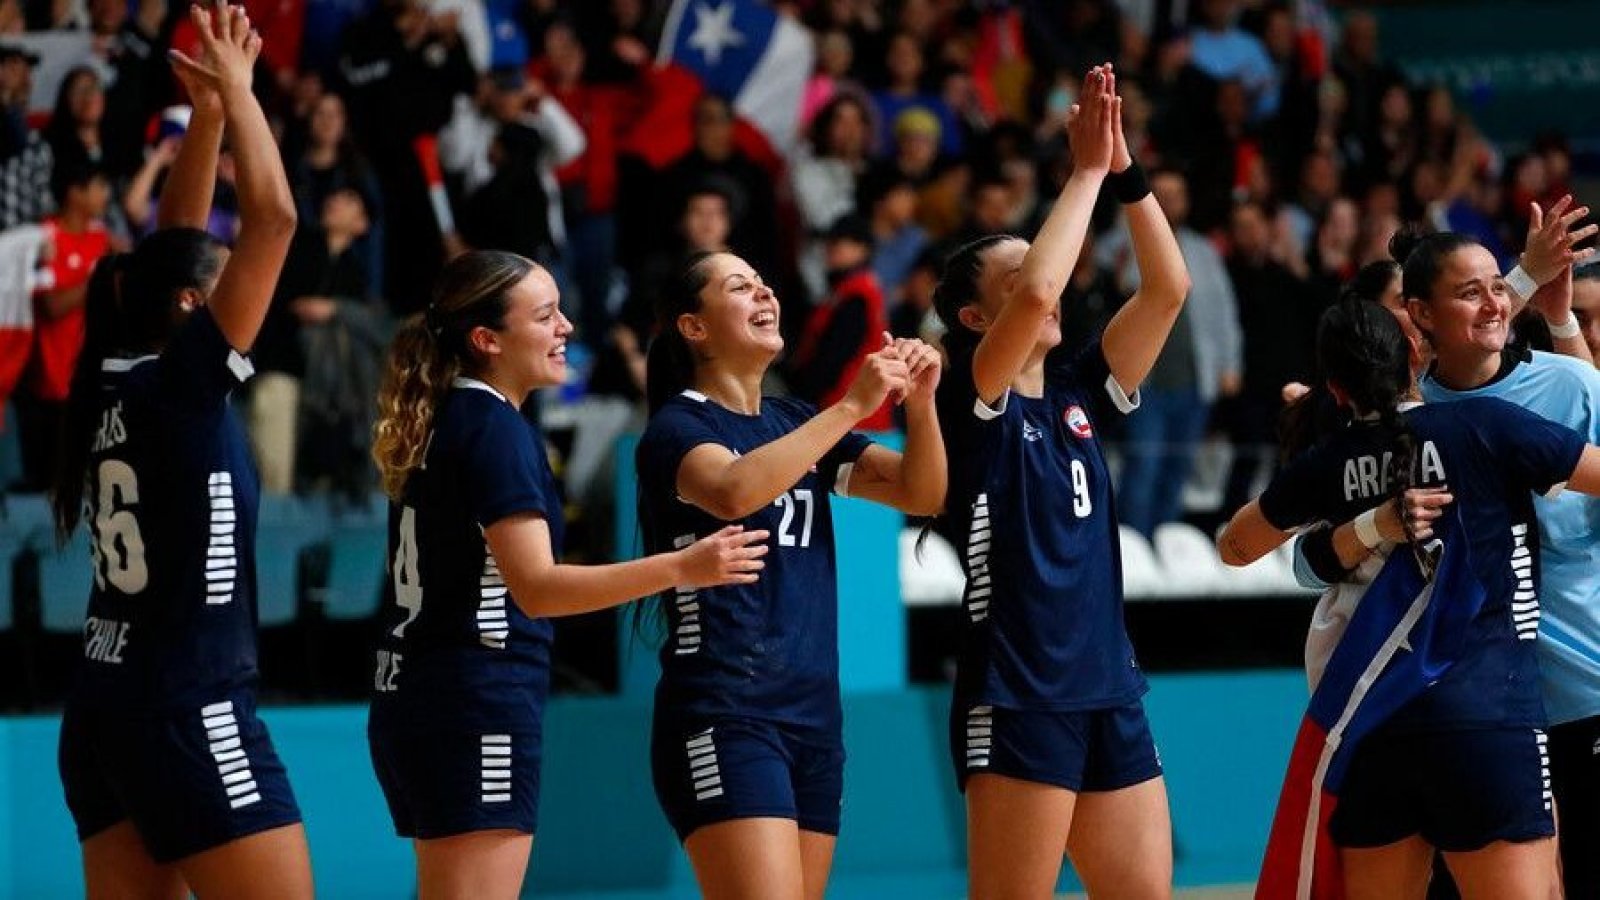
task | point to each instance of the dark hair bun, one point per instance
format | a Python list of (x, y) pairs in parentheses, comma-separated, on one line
[(1406, 240)]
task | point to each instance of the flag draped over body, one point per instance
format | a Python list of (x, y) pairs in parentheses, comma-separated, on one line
[(1408, 630)]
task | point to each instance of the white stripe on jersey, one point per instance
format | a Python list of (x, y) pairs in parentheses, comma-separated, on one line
[(976, 599), (686, 637), (494, 626), (233, 765), (494, 768), (221, 554)]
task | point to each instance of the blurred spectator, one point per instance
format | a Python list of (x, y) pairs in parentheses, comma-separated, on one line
[(1277, 319), (1318, 186), (1200, 362), (1392, 147), (835, 56), (618, 35), (1226, 157), (846, 326), (78, 238), (25, 158), (825, 173), (1072, 36), (1226, 52), (330, 163), (1333, 251), (74, 128), (399, 69), (139, 202), (905, 91), (504, 150), (304, 423), (990, 211), (1362, 74), (715, 154), (890, 203), (703, 224), (131, 50), (914, 315), (588, 183)]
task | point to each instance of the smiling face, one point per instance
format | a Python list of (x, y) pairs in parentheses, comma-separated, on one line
[(1466, 317), (738, 316), (529, 351)]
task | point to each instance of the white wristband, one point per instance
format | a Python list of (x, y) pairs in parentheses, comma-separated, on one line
[(1366, 526), (1567, 329), (1522, 283)]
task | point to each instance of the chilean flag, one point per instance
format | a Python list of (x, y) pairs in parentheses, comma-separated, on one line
[(744, 51), (1408, 630)]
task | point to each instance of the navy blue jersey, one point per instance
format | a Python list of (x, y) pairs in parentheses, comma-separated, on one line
[(450, 630), (1494, 457), (1031, 508), (171, 498), (767, 650), (1031, 511)]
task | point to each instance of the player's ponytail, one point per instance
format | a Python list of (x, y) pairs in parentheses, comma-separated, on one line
[(101, 326), (130, 307), (430, 350), (669, 364)]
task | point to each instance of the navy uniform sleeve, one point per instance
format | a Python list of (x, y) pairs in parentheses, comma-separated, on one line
[(838, 463), (1298, 494), (675, 430), (1539, 453), (199, 368), (1089, 371), (503, 470)]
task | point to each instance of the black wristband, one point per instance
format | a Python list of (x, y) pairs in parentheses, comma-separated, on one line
[(1130, 185), (1317, 547)]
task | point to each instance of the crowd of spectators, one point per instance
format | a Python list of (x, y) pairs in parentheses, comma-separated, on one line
[(1283, 145)]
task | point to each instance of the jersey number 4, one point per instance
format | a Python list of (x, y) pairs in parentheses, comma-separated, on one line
[(117, 545), (790, 504), (407, 583)]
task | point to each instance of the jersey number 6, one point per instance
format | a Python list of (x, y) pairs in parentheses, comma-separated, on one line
[(118, 547)]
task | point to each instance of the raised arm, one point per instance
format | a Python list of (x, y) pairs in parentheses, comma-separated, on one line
[(186, 200), (1036, 290), (543, 587), (914, 481), (266, 207), (731, 487), (1135, 335), (1543, 276)]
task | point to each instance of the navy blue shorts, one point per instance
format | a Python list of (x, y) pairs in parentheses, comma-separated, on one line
[(445, 775), (1459, 790), (709, 771), (1091, 750), (189, 780)]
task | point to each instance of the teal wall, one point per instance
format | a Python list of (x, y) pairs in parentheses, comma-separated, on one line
[(1223, 738)]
